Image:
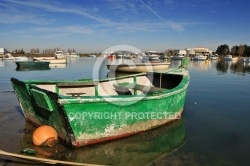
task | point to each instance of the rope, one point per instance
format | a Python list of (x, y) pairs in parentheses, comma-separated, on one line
[(160, 79), (48, 161)]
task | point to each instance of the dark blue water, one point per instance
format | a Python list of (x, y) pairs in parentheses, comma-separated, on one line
[(216, 115)]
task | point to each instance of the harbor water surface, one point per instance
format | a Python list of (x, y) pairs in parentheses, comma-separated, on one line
[(214, 130)]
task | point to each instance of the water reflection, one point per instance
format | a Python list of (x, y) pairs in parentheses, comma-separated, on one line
[(139, 149), (222, 66), (1, 63), (200, 65), (31, 68), (238, 67), (59, 65)]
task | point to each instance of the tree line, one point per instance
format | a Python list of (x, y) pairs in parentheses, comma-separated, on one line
[(45, 51), (241, 50), (50, 51)]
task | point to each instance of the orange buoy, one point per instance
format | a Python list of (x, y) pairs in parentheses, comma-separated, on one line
[(44, 136)]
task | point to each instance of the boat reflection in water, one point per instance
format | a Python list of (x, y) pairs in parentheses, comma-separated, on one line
[(57, 65), (140, 149), (30, 68), (1, 63)]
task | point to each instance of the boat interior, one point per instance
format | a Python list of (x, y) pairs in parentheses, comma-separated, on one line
[(136, 84)]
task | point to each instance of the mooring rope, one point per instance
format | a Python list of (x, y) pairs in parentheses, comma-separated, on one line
[(160, 79), (48, 161)]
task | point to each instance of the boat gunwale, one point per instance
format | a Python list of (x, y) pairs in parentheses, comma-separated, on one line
[(141, 64), (113, 98), (62, 99)]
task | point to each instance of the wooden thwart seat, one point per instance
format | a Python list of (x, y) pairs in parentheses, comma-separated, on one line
[(76, 84), (75, 94), (80, 85), (125, 86)]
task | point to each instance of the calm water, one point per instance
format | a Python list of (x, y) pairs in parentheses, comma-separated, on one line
[(215, 129)]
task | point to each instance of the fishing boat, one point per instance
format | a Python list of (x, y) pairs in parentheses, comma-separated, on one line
[(138, 67), (74, 55), (177, 57), (41, 58), (213, 57), (21, 58), (59, 55), (53, 60), (87, 111), (8, 56), (153, 55), (200, 57), (150, 55)]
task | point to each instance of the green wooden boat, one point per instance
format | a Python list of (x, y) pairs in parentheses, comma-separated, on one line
[(91, 111)]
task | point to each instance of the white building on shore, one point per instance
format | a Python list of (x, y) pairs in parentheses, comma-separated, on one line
[(182, 52), (202, 50), (195, 51)]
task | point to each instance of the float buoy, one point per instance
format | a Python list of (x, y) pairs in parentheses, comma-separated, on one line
[(44, 136)]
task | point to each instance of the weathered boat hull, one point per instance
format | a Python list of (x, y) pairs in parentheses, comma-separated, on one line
[(139, 67), (100, 117)]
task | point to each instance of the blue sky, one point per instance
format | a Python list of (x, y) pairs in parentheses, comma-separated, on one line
[(91, 26)]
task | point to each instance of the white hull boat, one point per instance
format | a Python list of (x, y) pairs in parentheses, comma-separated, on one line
[(200, 58), (139, 67)]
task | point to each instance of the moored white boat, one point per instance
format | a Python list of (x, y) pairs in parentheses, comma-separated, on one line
[(8, 56), (152, 55), (200, 58), (228, 57), (177, 57), (41, 58), (73, 55), (54, 61), (59, 55), (21, 58), (138, 67), (213, 57)]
